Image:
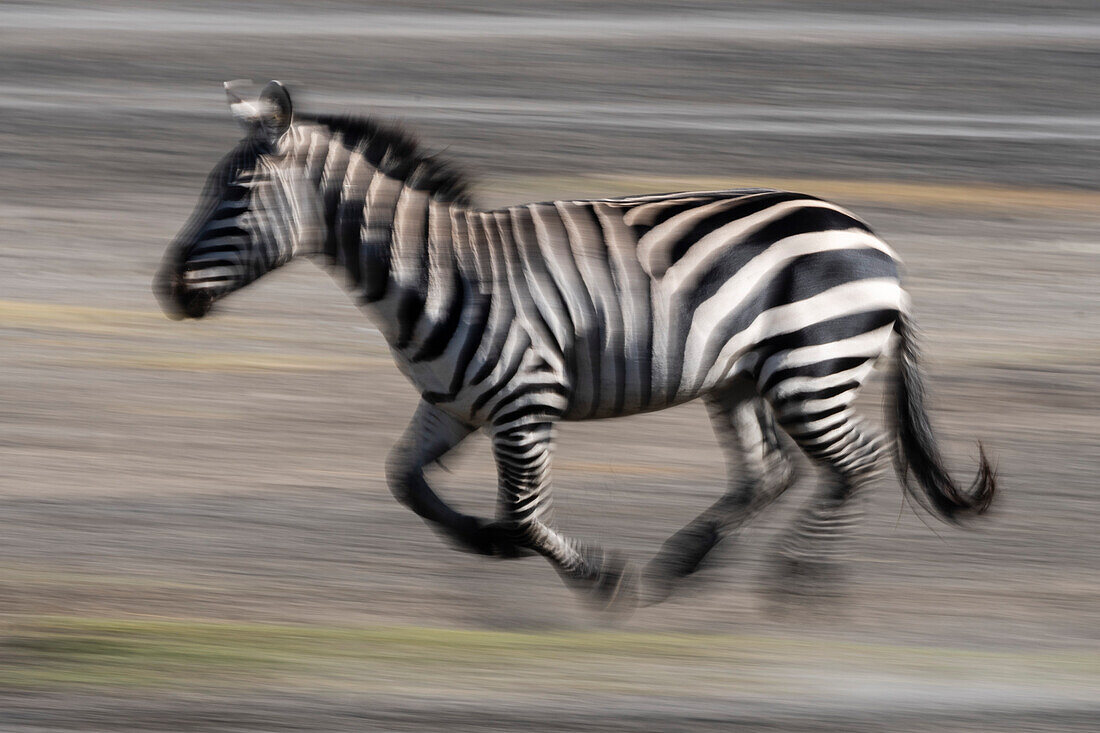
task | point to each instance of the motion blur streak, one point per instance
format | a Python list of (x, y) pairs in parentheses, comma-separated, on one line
[(195, 530)]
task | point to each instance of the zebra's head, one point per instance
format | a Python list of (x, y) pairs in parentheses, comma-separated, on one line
[(257, 211)]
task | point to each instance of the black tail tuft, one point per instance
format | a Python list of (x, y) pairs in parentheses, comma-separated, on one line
[(917, 454)]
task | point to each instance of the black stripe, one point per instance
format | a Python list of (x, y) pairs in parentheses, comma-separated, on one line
[(204, 249), (665, 213), (208, 263), (410, 304), (552, 388), (815, 434), (333, 206), (808, 417), (372, 270), (510, 372), (477, 308), (348, 227), (229, 231), (817, 369), (234, 193), (739, 209), (800, 221), (814, 273), (435, 343), (522, 412), (824, 332)]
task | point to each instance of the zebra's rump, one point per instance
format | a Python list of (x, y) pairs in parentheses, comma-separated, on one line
[(650, 301)]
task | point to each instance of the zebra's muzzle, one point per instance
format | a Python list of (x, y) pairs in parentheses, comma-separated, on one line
[(176, 299)]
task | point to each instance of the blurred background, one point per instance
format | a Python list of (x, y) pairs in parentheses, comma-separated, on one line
[(194, 529)]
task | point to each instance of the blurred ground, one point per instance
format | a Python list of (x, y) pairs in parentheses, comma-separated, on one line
[(194, 530)]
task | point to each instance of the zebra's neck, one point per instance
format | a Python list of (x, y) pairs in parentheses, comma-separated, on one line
[(388, 239)]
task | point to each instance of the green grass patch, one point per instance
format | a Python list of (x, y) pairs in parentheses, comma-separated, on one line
[(138, 653)]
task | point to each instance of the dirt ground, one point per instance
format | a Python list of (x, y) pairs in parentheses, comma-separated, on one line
[(194, 529)]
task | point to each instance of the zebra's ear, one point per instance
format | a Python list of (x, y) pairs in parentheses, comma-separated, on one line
[(245, 113), (276, 110)]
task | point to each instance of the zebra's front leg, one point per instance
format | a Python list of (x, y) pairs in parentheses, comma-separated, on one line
[(431, 435), (523, 455), (760, 472)]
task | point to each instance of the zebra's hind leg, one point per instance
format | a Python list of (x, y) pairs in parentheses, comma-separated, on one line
[(809, 555), (522, 451), (811, 379), (759, 470)]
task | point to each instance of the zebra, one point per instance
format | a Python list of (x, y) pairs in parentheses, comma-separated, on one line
[(770, 306)]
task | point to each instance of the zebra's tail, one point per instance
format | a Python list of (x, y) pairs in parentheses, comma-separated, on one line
[(917, 455)]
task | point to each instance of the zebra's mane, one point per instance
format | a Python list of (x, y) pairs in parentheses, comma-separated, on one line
[(396, 153)]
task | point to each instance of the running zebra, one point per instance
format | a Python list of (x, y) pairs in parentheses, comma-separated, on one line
[(769, 305)]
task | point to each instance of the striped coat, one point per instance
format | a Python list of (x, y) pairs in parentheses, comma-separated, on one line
[(635, 304)]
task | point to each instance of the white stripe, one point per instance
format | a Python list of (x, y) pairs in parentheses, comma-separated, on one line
[(796, 385), (210, 273), (649, 253), (224, 223), (409, 236), (868, 344), (690, 267)]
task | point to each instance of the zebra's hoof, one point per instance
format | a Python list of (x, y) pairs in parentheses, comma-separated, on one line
[(615, 589), (805, 579), (660, 579), (656, 586)]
